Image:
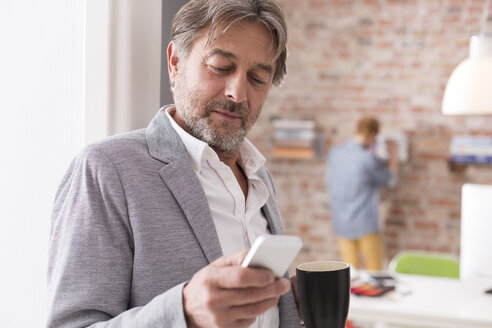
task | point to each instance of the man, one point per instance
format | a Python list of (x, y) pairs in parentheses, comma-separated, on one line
[(150, 227), (355, 176)]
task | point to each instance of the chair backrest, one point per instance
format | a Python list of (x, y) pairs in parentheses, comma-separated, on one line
[(427, 264)]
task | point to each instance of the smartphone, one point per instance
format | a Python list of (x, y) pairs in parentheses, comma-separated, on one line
[(274, 252)]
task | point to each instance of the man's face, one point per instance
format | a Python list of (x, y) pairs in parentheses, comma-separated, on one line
[(220, 88)]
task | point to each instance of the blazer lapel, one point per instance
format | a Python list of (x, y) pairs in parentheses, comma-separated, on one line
[(181, 180), (179, 176), (270, 209), (273, 217)]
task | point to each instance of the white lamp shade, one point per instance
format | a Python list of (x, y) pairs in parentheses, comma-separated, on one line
[(469, 89)]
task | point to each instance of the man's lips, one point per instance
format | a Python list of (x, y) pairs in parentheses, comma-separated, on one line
[(228, 115)]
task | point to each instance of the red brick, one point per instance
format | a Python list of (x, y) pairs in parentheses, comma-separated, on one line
[(426, 225), (443, 202)]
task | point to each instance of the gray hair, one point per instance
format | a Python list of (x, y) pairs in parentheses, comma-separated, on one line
[(194, 17)]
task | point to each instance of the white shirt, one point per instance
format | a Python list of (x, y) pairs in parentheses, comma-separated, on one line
[(238, 220)]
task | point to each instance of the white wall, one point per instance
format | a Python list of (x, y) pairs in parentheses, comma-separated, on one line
[(135, 63), (41, 129), (71, 72), (123, 65)]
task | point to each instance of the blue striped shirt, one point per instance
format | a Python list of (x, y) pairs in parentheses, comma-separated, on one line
[(354, 178)]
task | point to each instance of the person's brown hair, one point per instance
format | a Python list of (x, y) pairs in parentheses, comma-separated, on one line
[(197, 15), (368, 126)]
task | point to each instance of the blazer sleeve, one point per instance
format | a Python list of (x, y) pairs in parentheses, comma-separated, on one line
[(91, 254)]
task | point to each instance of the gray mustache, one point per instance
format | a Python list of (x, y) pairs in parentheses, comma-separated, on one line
[(229, 106), (234, 107)]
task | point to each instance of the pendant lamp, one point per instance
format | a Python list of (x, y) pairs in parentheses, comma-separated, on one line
[(469, 89)]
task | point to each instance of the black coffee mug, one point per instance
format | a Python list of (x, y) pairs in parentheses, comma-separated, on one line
[(323, 289)]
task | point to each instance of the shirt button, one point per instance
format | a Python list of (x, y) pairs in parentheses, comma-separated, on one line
[(195, 166), (209, 152)]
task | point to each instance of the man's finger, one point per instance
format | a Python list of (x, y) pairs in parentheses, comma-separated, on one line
[(244, 323), (230, 260), (234, 277), (252, 295), (249, 311)]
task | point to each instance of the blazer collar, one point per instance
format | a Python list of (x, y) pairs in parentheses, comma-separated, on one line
[(163, 142)]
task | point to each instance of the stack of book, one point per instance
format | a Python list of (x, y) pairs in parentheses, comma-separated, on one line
[(466, 149), (294, 139), (373, 284)]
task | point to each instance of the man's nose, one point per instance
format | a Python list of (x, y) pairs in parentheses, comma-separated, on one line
[(235, 88)]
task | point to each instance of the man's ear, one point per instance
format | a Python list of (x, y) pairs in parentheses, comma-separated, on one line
[(172, 61)]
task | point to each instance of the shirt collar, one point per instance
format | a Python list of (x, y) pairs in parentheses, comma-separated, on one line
[(250, 158), (355, 143)]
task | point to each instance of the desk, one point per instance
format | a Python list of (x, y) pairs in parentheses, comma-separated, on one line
[(429, 302)]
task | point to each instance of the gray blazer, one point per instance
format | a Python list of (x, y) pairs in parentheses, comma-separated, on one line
[(130, 225)]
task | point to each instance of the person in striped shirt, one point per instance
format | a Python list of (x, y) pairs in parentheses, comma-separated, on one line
[(355, 176)]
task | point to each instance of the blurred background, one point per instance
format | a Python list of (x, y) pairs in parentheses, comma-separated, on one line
[(390, 59)]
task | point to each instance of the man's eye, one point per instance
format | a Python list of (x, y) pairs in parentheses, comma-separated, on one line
[(220, 69), (257, 81)]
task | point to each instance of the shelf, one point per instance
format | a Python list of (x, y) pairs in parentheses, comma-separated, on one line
[(461, 166)]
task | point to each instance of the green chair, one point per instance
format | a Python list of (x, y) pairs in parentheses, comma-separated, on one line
[(427, 264)]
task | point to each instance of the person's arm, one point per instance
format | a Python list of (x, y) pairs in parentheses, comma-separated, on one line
[(393, 164)]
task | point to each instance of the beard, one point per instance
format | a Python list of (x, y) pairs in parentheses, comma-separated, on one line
[(224, 135)]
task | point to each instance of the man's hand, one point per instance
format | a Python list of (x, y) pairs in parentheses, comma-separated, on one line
[(293, 282), (392, 147), (223, 294)]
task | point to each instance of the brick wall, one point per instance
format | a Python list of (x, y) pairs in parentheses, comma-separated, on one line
[(391, 59)]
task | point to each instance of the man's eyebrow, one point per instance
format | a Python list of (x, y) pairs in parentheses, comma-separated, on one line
[(264, 67), (221, 52)]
